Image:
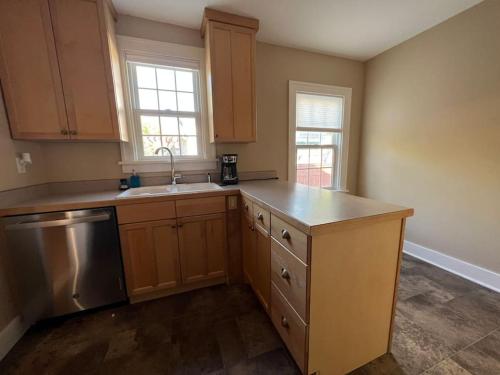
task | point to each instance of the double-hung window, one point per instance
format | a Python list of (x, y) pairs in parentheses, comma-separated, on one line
[(165, 106), (166, 109), (319, 134)]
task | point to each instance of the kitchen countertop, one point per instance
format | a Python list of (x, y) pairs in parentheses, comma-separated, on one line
[(312, 210)]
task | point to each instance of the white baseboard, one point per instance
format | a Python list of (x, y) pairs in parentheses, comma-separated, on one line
[(476, 274), (11, 334)]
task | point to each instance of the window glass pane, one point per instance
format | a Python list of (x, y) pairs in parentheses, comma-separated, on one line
[(326, 177), (314, 138), (302, 158), (172, 142), (169, 126), (185, 101), (146, 77), (187, 126), (150, 125), (167, 100), (302, 176), (326, 157), (319, 111), (166, 79), (327, 138), (184, 80), (189, 145), (314, 177), (301, 138), (148, 99), (315, 157), (150, 144)]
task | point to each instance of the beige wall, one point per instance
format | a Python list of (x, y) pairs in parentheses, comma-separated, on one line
[(275, 66), (431, 134)]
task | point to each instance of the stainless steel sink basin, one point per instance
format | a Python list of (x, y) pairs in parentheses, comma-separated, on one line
[(169, 189)]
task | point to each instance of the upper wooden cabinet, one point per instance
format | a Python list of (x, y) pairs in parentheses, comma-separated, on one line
[(230, 69), (60, 70)]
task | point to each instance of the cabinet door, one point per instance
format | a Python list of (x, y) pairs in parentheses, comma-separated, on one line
[(220, 81), (150, 256), (243, 77), (248, 247), (166, 248), (139, 258), (262, 279), (29, 71), (202, 245), (82, 47)]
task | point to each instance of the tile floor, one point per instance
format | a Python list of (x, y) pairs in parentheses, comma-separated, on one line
[(444, 325)]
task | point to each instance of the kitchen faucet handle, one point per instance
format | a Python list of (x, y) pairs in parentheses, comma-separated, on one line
[(175, 178)]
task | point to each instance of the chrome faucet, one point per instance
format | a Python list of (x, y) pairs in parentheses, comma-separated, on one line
[(172, 167)]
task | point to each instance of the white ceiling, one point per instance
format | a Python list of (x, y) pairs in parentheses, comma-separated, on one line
[(358, 29)]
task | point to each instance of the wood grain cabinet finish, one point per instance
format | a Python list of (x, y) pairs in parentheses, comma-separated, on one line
[(248, 247), (59, 70), (150, 256), (230, 66), (202, 244), (29, 71), (262, 274)]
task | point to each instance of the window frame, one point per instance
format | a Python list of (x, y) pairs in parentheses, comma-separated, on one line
[(339, 169), (149, 52)]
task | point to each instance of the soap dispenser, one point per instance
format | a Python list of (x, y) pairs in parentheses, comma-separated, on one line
[(135, 180)]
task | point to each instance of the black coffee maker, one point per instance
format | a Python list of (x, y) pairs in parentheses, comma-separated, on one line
[(228, 172)]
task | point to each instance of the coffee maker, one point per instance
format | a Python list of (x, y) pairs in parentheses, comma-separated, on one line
[(228, 172)]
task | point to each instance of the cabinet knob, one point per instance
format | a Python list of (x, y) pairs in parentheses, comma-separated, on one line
[(64, 132), (246, 207), (216, 135), (284, 322), (180, 225), (260, 216), (285, 274), (174, 226), (285, 234)]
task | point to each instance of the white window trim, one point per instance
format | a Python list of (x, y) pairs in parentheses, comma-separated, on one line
[(162, 53), (295, 87)]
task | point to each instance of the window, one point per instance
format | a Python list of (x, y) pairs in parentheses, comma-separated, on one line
[(166, 109), (319, 131), (165, 104)]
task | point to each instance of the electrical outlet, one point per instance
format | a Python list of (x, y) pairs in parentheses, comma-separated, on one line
[(21, 166)]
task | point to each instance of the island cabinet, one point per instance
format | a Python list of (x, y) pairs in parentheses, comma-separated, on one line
[(173, 246), (230, 69), (59, 70), (331, 286)]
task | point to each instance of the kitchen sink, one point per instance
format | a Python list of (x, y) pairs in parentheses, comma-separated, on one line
[(169, 189)]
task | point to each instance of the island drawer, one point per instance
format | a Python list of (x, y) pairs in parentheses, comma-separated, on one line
[(247, 207), (135, 213), (262, 217), (290, 237), (200, 206), (291, 328), (289, 274)]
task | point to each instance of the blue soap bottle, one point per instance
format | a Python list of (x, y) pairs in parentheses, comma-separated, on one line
[(135, 180)]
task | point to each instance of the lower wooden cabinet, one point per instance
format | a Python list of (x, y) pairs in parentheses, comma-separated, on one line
[(150, 256), (256, 247), (202, 244)]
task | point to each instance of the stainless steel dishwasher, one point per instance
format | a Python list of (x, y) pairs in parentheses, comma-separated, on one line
[(64, 262)]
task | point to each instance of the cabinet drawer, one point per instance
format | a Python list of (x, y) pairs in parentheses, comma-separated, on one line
[(135, 213), (262, 217), (247, 207), (200, 206), (291, 328), (289, 274), (290, 237)]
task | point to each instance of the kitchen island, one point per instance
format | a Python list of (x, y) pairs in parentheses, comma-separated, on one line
[(324, 264)]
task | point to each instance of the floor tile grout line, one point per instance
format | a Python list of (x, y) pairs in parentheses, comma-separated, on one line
[(461, 350)]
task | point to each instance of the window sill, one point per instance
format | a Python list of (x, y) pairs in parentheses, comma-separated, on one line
[(164, 165)]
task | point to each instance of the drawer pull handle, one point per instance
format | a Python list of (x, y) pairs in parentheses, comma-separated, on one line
[(284, 322), (285, 234), (285, 274), (260, 216), (246, 207)]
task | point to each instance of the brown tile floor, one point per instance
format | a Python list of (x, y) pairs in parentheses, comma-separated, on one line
[(444, 325)]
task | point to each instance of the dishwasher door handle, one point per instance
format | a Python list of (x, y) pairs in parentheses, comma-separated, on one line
[(59, 223)]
